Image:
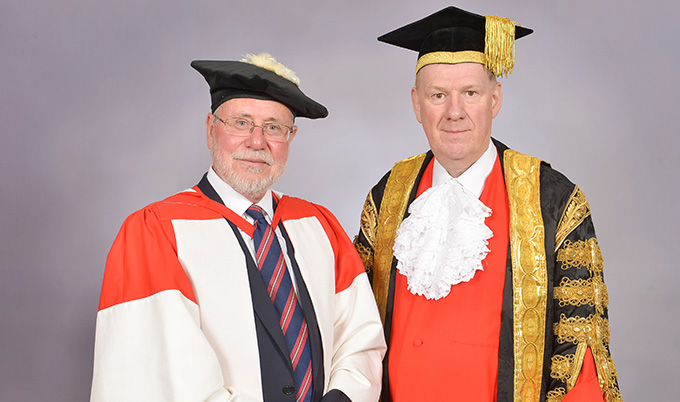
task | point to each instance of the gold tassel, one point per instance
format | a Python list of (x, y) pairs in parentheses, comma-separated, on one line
[(500, 45)]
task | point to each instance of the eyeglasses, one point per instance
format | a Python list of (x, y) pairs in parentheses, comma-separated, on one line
[(242, 127)]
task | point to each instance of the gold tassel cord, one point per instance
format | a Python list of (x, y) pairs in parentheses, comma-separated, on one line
[(500, 45)]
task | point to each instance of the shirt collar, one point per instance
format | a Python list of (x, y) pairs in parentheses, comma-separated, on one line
[(236, 201), (474, 177)]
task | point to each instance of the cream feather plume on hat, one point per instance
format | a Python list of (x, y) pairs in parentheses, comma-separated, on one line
[(267, 61)]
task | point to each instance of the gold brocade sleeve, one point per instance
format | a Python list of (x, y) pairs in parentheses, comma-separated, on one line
[(566, 291), (581, 303), (574, 214)]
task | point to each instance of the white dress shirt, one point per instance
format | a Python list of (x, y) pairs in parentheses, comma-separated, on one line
[(474, 177), (239, 204)]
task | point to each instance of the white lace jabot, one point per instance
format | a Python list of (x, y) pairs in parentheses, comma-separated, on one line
[(444, 239)]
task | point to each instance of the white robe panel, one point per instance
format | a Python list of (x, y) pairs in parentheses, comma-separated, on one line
[(134, 337), (359, 345), (214, 261)]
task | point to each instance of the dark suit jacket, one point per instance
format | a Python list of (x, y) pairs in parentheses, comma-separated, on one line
[(278, 382)]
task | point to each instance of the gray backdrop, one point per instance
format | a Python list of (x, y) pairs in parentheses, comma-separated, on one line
[(101, 114)]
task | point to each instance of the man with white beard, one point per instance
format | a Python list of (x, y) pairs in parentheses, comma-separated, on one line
[(229, 291)]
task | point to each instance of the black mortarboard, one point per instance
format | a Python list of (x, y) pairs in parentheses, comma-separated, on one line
[(455, 36), (259, 77)]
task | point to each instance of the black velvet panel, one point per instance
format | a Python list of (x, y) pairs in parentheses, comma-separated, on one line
[(453, 40)]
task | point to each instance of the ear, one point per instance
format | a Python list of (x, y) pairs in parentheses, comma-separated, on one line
[(292, 134), (209, 127), (416, 103), (496, 100)]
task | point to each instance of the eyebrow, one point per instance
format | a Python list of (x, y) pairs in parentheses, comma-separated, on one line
[(436, 88), (268, 119)]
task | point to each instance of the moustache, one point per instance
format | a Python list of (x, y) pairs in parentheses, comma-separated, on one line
[(253, 154)]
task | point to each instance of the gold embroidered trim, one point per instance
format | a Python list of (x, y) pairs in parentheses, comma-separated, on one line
[(567, 368), (592, 330), (612, 395), (368, 227), (365, 253), (585, 332), (579, 292), (369, 219), (465, 56), (394, 202), (574, 214), (607, 375), (583, 253), (556, 395), (560, 367), (529, 270), (579, 356)]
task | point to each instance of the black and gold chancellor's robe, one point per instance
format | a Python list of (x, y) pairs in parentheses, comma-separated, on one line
[(554, 272)]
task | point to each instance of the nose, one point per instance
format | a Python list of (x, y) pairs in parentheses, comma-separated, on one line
[(455, 109), (256, 139)]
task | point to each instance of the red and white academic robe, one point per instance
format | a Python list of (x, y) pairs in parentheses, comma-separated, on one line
[(179, 319)]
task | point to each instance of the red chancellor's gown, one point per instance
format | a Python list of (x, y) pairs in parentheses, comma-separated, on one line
[(447, 349)]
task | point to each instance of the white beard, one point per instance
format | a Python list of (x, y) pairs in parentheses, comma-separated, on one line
[(253, 189)]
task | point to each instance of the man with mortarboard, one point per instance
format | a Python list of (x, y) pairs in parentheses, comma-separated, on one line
[(229, 291), (483, 261)]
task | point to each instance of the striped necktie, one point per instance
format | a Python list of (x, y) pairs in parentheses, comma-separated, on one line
[(272, 265)]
